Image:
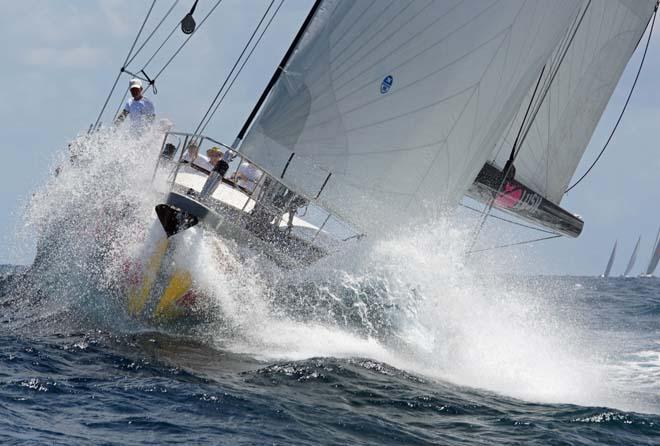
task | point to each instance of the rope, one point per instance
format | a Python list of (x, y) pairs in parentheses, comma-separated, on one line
[(224, 83), (245, 61), (507, 220), (526, 242), (121, 103), (114, 85), (616, 125)]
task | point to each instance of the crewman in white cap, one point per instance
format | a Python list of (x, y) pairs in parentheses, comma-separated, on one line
[(140, 110)]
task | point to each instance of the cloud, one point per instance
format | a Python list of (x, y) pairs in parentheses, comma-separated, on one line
[(77, 57)]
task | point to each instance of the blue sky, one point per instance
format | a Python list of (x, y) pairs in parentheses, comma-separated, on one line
[(61, 57)]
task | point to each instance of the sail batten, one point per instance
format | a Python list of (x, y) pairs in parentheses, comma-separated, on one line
[(401, 102)]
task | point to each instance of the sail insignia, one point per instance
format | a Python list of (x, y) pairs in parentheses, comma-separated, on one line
[(386, 84)]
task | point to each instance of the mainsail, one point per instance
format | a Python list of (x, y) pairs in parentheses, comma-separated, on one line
[(389, 108), (610, 262), (655, 256), (633, 257), (576, 86)]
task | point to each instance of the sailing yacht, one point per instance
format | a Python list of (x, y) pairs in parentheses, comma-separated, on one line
[(382, 111), (655, 258), (610, 262), (633, 258)]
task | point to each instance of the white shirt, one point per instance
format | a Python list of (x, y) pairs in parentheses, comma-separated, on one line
[(140, 112), (249, 176)]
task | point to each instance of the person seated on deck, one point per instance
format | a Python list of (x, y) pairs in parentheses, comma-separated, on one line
[(139, 109), (214, 154), (247, 177), (198, 162)]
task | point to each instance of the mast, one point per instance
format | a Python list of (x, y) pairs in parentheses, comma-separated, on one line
[(633, 257), (655, 255), (610, 262), (216, 176), (278, 72)]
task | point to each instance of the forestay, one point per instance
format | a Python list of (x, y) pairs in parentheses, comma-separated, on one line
[(387, 108), (602, 45)]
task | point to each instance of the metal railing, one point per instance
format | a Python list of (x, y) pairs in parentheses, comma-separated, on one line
[(263, 193)]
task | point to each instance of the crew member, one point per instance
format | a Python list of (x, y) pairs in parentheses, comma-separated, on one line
[(139, 109)]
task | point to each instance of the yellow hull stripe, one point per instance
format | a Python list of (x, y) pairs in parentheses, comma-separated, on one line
[(138, 298)]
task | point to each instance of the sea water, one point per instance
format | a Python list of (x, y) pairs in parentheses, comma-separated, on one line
[(66, 378), (396, 341)]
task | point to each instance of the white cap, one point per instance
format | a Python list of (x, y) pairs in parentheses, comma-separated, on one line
[(135, 83)]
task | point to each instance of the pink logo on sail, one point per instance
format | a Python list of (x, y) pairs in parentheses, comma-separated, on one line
[(510, 196)]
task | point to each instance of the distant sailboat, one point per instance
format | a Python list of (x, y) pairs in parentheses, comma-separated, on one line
[(610, 262), (633, 257), (655, 257)]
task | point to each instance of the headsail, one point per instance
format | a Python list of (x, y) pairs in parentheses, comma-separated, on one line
[(633, 257), (387, 106), (655, 256), (610, 262), (590, 61)]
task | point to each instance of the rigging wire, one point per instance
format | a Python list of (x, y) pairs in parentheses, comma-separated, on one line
[(553, 73), (245, 61), (112, 90), (152, 33), (507, 169), (526, 124), (152, 81), (526, 242), (625, 105), (169, 11), (554, 63), (507, 220), (176, 26), (224, 83)]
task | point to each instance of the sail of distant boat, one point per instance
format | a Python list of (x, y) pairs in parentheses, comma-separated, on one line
[(610, 262), (655, 256), (633, 258)]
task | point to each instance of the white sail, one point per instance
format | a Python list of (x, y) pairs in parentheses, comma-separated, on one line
[(401, 102), (655, 256), (610, 262), (604, 41), (633, 257)]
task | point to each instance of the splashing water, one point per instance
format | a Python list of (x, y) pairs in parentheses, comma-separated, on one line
[(408, 300)]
